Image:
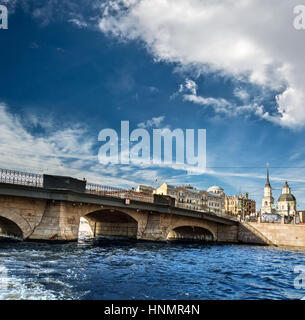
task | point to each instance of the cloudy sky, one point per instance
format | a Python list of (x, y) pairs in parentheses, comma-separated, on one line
[(70, 68)]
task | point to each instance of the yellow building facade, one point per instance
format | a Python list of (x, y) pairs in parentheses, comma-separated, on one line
[(239, 205)]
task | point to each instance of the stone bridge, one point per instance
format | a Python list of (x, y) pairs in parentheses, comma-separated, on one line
[(50, 208)]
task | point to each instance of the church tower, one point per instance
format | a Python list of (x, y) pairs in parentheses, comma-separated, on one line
[(287, 204), (268, 200)]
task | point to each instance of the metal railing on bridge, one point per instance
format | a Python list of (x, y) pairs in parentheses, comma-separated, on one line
[(21, 178), (102, 190), (36, 180), (191, 207)]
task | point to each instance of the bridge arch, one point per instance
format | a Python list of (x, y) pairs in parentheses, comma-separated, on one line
[(190, 233), (14, 224), (113, 223), (186, 226)]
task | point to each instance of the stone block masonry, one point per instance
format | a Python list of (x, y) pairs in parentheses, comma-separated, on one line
[(272, 234)]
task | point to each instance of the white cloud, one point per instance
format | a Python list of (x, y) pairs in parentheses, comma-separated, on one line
[(64, 152), (155, 122), (241, 94), (220, 105), (19, 147), (69, 151), (80, 23), (189, 85), (250, 40), (46, 11)]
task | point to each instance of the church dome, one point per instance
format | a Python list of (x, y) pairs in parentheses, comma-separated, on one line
[(286, 197), (215, 189)]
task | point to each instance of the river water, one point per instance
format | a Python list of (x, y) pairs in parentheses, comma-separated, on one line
[(92, 269)]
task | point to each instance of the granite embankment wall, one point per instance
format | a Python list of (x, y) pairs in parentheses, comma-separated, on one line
[(272, 234)]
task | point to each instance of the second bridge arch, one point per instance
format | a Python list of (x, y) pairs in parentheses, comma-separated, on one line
[(112, 223)]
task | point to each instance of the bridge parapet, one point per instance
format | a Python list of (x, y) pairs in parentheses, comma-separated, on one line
[(21, 178), (102, 190), (220, 214), (64, 183), (165, 200)]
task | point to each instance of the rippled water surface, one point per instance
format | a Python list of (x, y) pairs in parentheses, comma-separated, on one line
[(145, 270)]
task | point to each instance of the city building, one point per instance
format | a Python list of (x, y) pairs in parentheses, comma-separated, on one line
[(216, 199), (287, 204), (268, 200), (204, 200), (185, 196), (191, 198), (167, 190), (301, 214), (240, 205), (145, 189)]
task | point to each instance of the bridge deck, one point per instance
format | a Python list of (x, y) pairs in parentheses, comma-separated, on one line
[(106, 200)]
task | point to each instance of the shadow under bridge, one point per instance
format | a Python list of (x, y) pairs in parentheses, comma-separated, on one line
[(189, 233), (111, 224)]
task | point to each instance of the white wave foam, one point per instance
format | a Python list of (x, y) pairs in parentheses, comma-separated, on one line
[(19, 289)]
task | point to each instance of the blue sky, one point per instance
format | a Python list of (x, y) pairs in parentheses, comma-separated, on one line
[(71, 68)]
